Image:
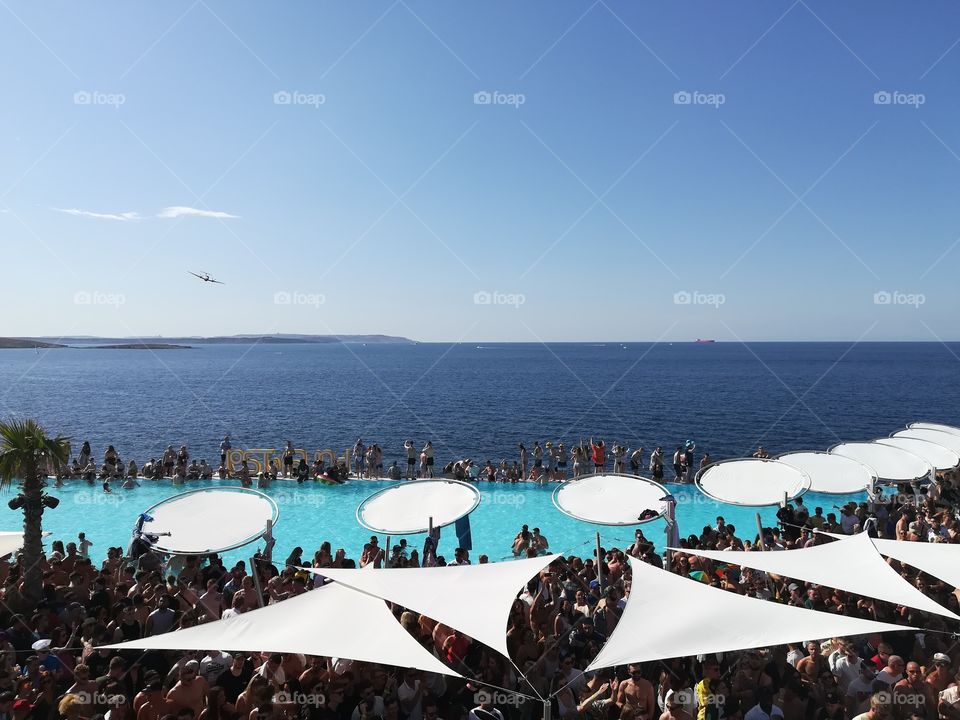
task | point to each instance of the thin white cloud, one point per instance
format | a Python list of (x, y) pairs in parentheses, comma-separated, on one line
[(180, 211), (124, 217)]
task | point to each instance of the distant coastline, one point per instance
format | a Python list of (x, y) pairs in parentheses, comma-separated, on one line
[(182, 343), (137, 346)]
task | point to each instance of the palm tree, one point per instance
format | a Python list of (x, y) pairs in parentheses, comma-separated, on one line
[(27, 453)]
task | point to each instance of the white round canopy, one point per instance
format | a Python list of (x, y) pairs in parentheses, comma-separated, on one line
[(833, 474), (406, 508), (947, 440), (212, 520), (942, 458), (934, 426), (891, 464), (752, 481), (611, 499)]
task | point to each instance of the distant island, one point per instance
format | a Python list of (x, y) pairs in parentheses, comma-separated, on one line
[(136, 346), (181, 343), (26, 343)]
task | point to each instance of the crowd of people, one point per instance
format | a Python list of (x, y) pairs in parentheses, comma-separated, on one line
[(549, 462), (52, 664)]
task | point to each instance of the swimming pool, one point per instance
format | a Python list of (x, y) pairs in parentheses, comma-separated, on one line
[(310, 514)]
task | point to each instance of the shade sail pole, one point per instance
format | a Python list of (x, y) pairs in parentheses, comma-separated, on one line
[(599, 564)]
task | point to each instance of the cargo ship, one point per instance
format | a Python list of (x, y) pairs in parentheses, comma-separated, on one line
[(698, 341)]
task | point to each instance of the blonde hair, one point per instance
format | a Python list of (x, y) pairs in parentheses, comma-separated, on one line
[(69, 702)]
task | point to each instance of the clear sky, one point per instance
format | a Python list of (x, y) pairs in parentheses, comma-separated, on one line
[(516, 171)]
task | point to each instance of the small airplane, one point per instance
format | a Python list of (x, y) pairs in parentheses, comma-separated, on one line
[(205, 277)]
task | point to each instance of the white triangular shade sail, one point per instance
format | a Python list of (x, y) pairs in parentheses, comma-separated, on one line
[(935, 426), (474, 599), (10, 542), (942, 560), (670, 616), (946, 439), (942, 458), (851, 564), (333, 621)]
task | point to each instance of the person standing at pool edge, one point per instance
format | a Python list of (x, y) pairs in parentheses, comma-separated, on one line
[(656, 463), (225, 448), (411, 459), (358, 455), (599, 456), (428, 451), (288, 453)]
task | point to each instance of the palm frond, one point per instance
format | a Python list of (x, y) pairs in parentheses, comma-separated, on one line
[(25, 449)]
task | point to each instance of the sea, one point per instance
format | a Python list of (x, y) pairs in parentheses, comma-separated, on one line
[(480, 401), (471, 401)]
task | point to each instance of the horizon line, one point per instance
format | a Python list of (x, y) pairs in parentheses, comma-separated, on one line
[(291, 336)]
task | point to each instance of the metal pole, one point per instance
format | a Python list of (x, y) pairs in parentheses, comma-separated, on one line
[(599, 565), (760, 530), (546, 710), (386, 557)]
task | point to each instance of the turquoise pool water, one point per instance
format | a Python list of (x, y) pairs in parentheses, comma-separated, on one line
[(310, 514)]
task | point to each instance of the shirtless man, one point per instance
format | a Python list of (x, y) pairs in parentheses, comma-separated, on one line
[(212, 600), (638, 693), (814, 664), (948, 704), (190, 690), (150, 703), (674, 710), (169, 459), (750, 678), (538, 541)]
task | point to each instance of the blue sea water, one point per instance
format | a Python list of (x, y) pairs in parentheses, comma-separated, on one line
[(471, 401)]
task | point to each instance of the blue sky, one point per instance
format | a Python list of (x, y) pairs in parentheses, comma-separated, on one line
[(642, 171)]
